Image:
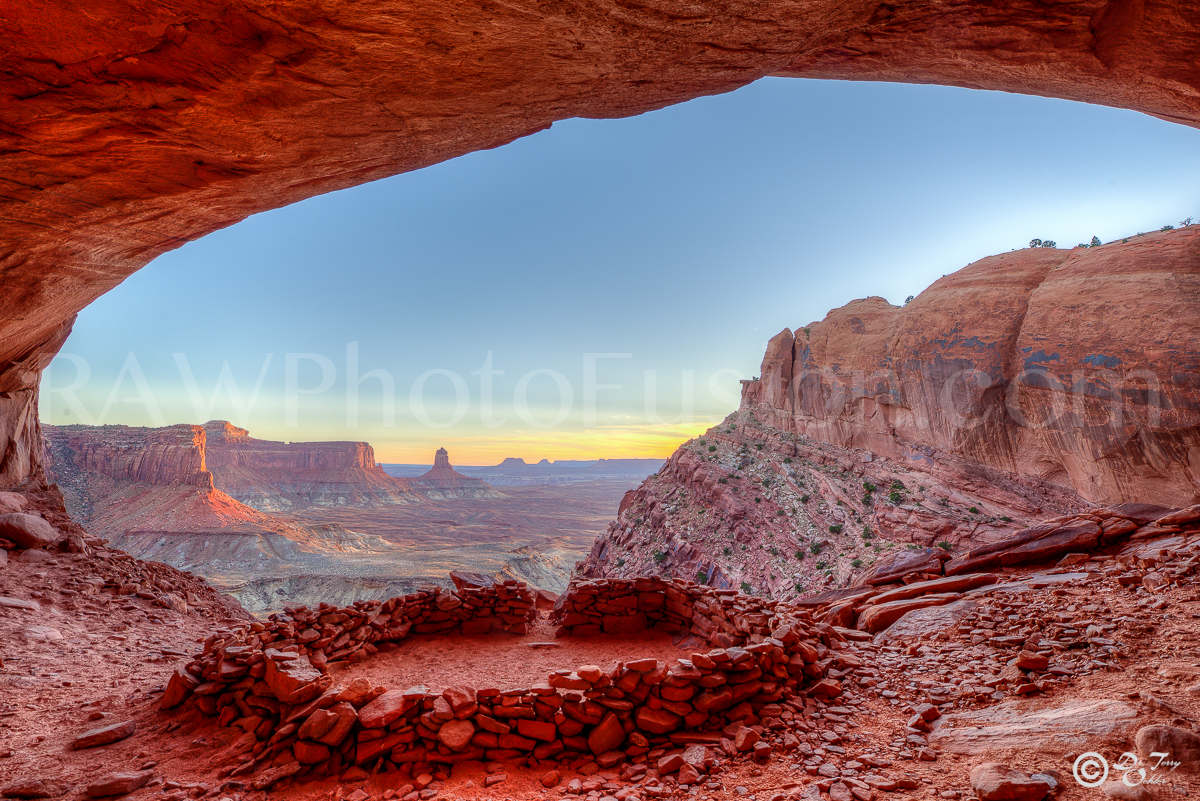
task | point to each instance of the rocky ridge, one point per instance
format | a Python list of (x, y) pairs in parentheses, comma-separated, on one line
[(1012, 391)]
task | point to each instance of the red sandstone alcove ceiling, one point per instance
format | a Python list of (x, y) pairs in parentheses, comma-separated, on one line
[(128, 127)]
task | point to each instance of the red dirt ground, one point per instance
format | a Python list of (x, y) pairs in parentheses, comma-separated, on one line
[(499, 660)]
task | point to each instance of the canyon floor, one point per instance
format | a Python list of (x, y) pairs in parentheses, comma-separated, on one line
[(89, 640), (532, 533)]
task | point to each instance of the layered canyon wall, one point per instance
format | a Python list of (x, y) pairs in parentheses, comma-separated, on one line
[(283, 476)]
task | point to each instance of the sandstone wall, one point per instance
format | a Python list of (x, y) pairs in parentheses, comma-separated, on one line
[(279, 476), (94, 464), (1080, 368), (265, 680)]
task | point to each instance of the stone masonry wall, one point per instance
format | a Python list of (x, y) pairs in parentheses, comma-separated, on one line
[(268, 680)]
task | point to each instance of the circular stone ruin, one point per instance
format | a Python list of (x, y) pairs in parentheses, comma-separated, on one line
[(272, 679)]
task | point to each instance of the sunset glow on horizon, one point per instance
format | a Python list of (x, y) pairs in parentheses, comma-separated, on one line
[(632, 443)]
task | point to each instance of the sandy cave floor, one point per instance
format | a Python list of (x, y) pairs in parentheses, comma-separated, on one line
[(500, 661)]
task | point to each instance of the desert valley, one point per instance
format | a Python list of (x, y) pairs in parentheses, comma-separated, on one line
[(276, 524), (944, 549)]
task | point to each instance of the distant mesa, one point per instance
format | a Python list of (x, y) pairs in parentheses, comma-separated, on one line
[(442, 481), (223, 469), (515, 471), (285, 476)]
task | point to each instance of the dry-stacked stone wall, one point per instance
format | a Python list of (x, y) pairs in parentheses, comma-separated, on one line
[(269, 681)]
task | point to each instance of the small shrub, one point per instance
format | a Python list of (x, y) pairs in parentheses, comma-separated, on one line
[(660, 557), (781, 513), (945, 546), (803, 499), (868, 486), (800, 587), (712, 448), (701, 578), (836, 528), (747, 589), (895, 497), (1006, 519), (787, 460), (728, 551), (856, 563), (974, 510), (800, 554), (815, 548), (621, 562)]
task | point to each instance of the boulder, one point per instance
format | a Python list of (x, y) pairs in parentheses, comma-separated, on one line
[(179, 687), (877, 617), (33, 788), (1182, 517), (993, 781), (104, 735), (1010, 726), (121, 783), (892, 568), (947, 584), (919, 623), (28, 531), (1183, 745), (12, 502)]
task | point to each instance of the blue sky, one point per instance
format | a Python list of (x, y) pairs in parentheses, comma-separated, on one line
[(669, 246)]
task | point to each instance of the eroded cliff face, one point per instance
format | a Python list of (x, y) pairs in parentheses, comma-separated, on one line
[(123, 480), (1025, 386), (131, 127), (1080, 368), (284, 476)]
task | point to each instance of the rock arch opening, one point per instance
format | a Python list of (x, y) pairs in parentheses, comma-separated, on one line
[(126, 133)]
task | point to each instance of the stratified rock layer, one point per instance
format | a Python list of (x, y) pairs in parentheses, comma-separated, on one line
[(130, 127), (280, 476)]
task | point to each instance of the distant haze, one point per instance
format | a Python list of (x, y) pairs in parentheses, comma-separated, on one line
[(596, 290)]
